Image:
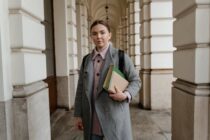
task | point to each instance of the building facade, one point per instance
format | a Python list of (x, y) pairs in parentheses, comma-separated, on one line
[(42, 43)]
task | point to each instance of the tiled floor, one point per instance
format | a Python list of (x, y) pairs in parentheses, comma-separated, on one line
[(147, 125)]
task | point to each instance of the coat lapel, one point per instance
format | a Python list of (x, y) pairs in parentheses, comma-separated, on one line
[(89, 69)]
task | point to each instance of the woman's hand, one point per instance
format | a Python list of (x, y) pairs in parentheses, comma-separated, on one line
[(118, 95), (79, 123)]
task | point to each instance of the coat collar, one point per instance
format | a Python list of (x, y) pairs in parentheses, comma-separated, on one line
[(109, 60), (102, 53)]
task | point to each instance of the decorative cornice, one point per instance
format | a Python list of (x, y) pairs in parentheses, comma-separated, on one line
[(26, 50), (192, 88), (25, 13), (73, 72), (193, 46), (28, 90), (190, 10)]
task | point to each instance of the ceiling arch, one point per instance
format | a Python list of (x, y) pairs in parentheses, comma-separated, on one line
[(117, 9)]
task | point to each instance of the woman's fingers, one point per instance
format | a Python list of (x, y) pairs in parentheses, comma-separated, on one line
[(119, 96), (79, 123), (80, 126)]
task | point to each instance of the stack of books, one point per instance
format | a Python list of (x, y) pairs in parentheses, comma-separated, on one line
[(115, 78)]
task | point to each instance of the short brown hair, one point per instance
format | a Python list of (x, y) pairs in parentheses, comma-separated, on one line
[(96, 22)]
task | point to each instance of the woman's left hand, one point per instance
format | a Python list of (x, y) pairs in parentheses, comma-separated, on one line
[(118, 95)]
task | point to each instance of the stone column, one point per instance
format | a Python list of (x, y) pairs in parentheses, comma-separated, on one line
[(85, 31), (144, 97), (124, 33), (72, 48), (134, 33), (66, 51), (30, 94), (127, 24), (156, 54), (82, 31), (91, 45), (119, 36), (6, 121), (191, 90), (61, 52)]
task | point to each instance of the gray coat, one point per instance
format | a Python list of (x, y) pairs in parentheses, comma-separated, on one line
[(114, 116)]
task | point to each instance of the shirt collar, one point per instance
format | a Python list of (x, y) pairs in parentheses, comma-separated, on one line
[(101, 53)]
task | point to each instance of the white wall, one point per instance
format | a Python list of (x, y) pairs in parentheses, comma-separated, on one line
[(5, 63), (27, 41)]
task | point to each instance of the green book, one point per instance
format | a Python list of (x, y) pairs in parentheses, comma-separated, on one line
[(115, 78)]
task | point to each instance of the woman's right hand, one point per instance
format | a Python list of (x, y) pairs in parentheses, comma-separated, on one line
[(78, 123)]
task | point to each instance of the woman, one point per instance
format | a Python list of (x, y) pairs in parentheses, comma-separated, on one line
[(100, 114)]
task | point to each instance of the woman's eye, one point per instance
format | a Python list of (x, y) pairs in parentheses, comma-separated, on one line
[(94, 33)]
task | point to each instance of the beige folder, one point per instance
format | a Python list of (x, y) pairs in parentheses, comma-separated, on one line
[(115, 78)]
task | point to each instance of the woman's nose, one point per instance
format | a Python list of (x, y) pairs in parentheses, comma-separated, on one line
[(98, 35)]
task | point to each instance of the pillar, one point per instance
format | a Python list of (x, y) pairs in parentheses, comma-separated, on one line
[(72, 48), (6, 117), (156, 54), (127, 31), (28, 64), (119, 36), (191, 90), (134, 33), (82, 31), (66, 51)]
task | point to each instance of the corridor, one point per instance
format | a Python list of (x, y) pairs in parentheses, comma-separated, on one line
[(147, 125), (42, 43)]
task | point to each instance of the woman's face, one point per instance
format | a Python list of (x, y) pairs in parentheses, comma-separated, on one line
[(100, 36)]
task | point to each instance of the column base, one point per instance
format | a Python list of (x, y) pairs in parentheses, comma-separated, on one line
[(31, 116), (66, 87), (190, 111), (6, 121), (156, 89)]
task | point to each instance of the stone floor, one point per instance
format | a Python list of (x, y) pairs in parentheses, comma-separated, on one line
[(147, 125)]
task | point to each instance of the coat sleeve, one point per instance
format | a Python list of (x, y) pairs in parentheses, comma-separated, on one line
[(79, 91), (132, 76)]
